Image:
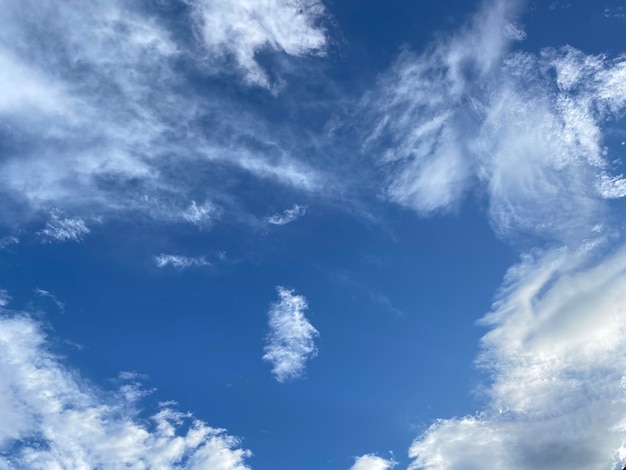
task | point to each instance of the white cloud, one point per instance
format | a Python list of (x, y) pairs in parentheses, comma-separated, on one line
[(239, 30), (200, 214), (179, 261), (372, 462), (51, 418), (44, 293), (526, 129), (64, 229), (290, 342), (287, 216), (8, 240), (114, 129), (5, 298), (556, 353)]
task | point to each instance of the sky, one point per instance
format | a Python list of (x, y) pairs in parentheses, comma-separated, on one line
[(312, 234)]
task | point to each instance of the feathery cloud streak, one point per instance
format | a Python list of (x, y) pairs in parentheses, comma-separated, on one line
[(526, 129), (290, 341), (103, 123), (287, 216)]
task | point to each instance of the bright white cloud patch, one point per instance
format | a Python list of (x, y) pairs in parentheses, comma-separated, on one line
[(524, 128), (241, 29), (179, 261), (290, 342), (51, 418), (287, 216), (372, 462), (114, 129), (64, 229), (557, 355)]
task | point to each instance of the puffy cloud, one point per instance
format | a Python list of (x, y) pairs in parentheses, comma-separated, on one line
[(239, 30), (526, 129), (64, 229), (372, 462), (287, 216), (556, 356), (290, 342), (179, 261), (51, 418)]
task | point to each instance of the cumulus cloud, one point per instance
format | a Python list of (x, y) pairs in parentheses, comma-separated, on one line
[(556, 356), (64, 229), (287, 216), (51, 418), (290, 342), (525, 129), (240, 30), (179, 261), (372, 462)]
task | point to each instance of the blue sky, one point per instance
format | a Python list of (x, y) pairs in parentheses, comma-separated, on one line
[(300, 234)]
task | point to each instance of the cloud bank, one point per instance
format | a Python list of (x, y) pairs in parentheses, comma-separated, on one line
[(290, 341), (51, 418)]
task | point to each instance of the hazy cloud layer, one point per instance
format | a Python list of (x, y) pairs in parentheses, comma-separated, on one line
[(51, 418), (290, 342)]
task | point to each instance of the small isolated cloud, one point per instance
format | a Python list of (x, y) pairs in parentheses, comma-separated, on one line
[(372, 462), (5, 298), (52, 418), (200, 214), (64, 229), (287, 216), (8, 240), (290, 342), (180, 262), (44, 293), (239, 30)]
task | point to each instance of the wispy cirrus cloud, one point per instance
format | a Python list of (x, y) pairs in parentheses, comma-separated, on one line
[(179, 261), (372, 462), (52, 418), (44, 293), (291, 338), (62, 229), (240, 30), (287, 216), (525, 129), (103, 124)]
